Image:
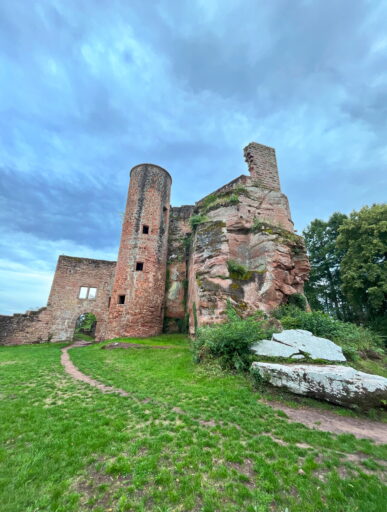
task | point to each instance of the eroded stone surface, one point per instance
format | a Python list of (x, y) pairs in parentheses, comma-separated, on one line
[(167, 273), (273, 255), (341, 385), (298, 343)]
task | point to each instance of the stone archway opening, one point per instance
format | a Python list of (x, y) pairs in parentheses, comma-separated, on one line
[(85, 327)]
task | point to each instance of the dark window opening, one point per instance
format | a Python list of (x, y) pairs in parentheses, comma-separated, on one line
[(121, 299), (109, 300), (139, 266), (145, 229)]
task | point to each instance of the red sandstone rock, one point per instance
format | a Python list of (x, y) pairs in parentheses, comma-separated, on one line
[(248, 221)]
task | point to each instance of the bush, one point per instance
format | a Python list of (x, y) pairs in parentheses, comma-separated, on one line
[(351, 337), (195, 220), (230, 342), (298, 300)]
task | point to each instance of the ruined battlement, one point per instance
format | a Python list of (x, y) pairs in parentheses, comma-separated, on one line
[(173, 274)]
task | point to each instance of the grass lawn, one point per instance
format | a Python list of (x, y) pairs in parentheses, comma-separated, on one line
[(188, 438)]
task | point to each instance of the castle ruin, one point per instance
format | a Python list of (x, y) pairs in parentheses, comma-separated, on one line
[(179, 267)]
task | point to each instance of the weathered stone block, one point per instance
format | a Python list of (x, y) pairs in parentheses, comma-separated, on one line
[(297, 343), (337, 384)]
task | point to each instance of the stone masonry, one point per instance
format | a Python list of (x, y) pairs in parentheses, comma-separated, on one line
[(176, 274), (137, 306)]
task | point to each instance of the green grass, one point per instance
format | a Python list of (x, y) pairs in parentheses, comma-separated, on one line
[(82, 336), (188, 438)]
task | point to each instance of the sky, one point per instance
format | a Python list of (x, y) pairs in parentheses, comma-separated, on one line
[(90, 88)]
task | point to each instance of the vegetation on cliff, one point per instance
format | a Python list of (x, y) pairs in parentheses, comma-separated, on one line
[(219, 199), (196, 220), (296, 242)]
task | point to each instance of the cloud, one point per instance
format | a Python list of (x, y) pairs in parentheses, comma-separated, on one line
[(91, 88), (27, 266)]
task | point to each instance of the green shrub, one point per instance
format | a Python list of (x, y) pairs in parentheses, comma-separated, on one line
[(195, 220), (351, 353), (351, 337), (298, 300), (230, 342)]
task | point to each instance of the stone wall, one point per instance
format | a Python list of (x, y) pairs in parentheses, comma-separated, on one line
[(64, 303), (247, 221), (262, 164), (29, 327), (56, 322)]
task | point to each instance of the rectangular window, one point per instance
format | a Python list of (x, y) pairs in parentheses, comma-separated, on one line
[(92, 293), (87, 293), (139, 266), (83, 292), (145, 229), (121, 299)]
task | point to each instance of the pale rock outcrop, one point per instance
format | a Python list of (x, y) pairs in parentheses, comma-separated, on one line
[(297, 344), (341, 385)]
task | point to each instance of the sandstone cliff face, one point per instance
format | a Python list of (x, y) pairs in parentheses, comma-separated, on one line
[(242, 250), (251, 226), (176, 315)]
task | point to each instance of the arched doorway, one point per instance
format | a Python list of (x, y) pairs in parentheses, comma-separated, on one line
[(85, 327)]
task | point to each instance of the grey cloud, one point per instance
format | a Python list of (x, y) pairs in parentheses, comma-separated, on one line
[(93, 87), (56, 210)]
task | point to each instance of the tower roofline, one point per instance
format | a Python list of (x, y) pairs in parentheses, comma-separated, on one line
[(153, 165)]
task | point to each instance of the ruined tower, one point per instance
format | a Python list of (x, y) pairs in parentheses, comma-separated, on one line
[(241, 250), (137, 301), (262, 165)]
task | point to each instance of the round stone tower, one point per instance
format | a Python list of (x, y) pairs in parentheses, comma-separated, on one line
[(137, 302)]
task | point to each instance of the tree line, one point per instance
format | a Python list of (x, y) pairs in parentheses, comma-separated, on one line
[(348, 276)]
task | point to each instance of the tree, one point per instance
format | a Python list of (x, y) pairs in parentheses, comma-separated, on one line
[(323, 289), (363, 240), (86, 324)]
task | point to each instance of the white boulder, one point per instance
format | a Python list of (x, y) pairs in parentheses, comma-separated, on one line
[(296, 343), (341, 385)]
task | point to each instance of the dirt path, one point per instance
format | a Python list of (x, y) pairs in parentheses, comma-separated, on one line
[(330, 422), (311, 418), (73, 371)]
